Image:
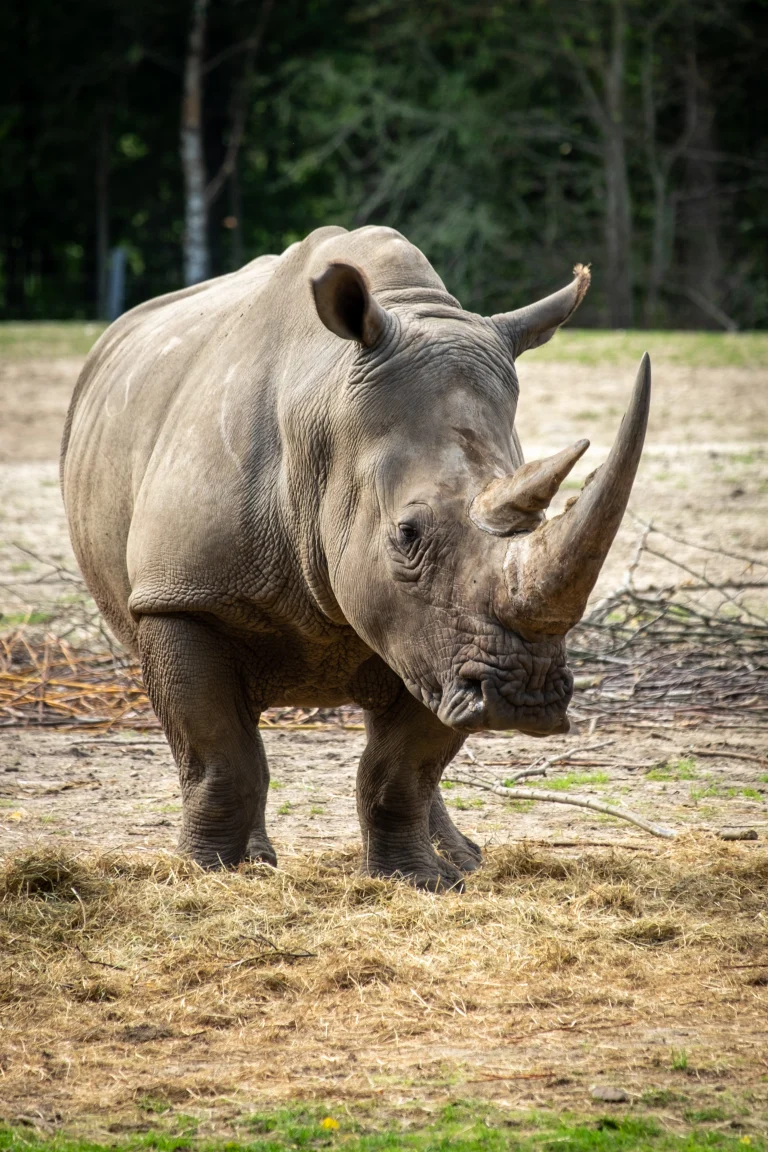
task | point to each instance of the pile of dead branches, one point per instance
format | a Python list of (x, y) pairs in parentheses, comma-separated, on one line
[(53, 685), (691, 648)]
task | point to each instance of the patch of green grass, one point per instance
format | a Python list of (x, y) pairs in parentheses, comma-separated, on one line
[(708, 792), (31, 617), (763, 778), (154, 1105), (285, 808), (519, 805), (44, 341), (721, 792), (471, 1127), (704, 1115), (684, 769), (679, 1060), (275, 785), (317, 810), (574, 780), (662, 1097), (695, 349)]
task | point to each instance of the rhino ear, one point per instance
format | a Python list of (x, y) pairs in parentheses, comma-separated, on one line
[(345, 305), (532, 326)]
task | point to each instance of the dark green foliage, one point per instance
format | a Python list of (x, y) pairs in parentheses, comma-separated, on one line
[(469, 126)]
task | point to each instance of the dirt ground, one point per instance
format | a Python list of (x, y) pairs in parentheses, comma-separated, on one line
[(704, 476), (121, 791)]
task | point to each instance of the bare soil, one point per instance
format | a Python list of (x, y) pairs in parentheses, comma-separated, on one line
[(121, 791), (704, 476)]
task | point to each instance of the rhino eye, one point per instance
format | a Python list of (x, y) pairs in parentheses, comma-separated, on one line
[(407, 533)]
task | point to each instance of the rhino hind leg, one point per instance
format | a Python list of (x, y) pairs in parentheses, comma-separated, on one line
[(398, 776), (193, 679), (452, 843)]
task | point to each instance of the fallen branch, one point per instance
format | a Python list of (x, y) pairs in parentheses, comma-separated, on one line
[(731, 756), (567, 798), (539, 767)]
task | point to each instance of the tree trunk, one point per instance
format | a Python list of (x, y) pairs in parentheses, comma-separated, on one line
[(196, 254), (236, 211), (659, 249), (699, 214), (102, 218), (618, 207), (660, 163)]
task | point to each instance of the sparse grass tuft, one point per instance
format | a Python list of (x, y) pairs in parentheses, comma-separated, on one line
[(683, 769), (573, 779)]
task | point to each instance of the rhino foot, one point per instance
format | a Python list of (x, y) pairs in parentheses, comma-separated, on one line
[(433, 874), (452, 843), (260, 850), (211, 857)]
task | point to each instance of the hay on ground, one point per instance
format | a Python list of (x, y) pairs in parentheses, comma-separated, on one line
[(128, 977)]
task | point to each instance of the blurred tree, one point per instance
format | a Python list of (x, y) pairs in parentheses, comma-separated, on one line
[(508, 138), (598, 59), (200, 193)]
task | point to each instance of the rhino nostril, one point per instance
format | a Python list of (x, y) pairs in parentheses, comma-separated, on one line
[(471, 688)]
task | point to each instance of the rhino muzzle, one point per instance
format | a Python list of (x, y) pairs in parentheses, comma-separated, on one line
[(507, 682), (481, 697)]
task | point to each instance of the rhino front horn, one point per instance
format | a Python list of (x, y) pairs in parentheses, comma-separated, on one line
[(550, 573)]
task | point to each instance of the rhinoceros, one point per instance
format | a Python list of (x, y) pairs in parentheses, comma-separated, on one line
[(301, 484)]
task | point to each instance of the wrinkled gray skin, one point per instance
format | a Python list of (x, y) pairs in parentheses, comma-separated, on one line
[(269, 485)]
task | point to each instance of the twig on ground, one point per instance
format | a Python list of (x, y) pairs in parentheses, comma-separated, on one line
[(539, 767), (567, 798), (726, 755), (100, 963)]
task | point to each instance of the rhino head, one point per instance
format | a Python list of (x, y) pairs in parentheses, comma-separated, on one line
[(439, 552)]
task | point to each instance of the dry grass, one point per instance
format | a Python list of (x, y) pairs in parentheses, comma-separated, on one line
[(130, 978)]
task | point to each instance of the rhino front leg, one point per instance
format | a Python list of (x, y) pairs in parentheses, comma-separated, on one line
[(194, 680), (397, 781), (459, 849)]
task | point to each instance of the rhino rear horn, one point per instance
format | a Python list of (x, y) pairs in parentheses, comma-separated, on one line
[(346, 306), (534, 325)]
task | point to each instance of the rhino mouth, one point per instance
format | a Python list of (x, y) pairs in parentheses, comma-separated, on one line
[(529, 692)]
